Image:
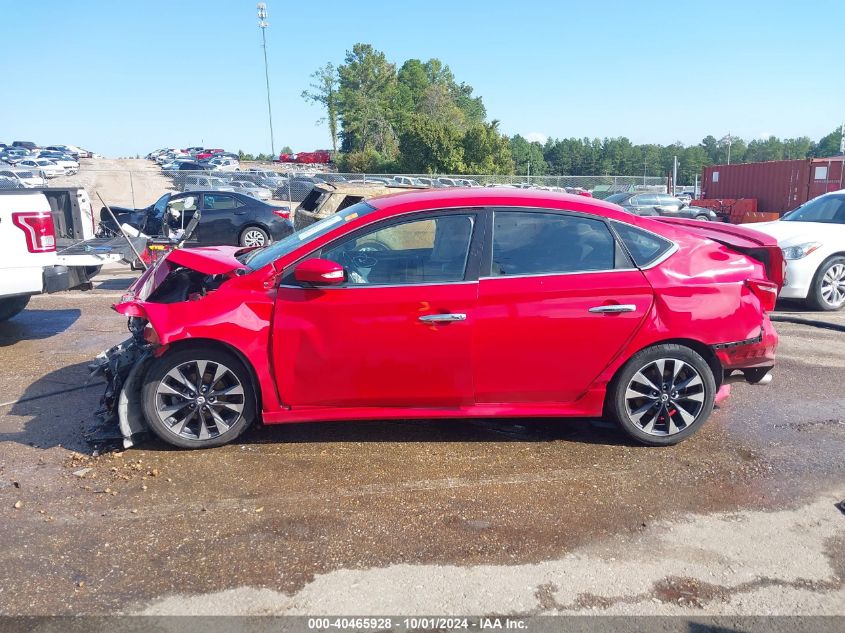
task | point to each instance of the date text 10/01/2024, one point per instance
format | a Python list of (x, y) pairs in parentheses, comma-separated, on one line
[(415, 623)]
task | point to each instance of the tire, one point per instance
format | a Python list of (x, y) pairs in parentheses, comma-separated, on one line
[(704, 218), (828, 289), (12, 306), (206, 418), (679, 405), (254, 236)]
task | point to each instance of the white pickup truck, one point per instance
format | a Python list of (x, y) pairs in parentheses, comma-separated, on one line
[(46, 244)]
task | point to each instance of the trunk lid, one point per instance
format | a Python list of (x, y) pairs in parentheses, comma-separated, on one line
[(755, 244)]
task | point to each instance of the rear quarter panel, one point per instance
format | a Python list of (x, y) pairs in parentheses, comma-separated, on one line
[(700, 293)]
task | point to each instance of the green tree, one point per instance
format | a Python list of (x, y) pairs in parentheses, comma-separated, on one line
[(324, 92), (765, 150), (430, 146), (487, 150), (827, 145), (367, 87), (528, 155)]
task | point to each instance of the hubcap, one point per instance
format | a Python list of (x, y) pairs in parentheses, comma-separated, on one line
[(833, 285), (665, 396), (199, 400), (254, 238)]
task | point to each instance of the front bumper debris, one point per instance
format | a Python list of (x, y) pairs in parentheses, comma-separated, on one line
[(120, 416)]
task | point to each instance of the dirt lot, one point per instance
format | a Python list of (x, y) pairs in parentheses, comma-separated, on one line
[(417, 517), (126, 181)]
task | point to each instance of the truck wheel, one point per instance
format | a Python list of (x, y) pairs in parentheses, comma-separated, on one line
[(12, 306), (198, 398)]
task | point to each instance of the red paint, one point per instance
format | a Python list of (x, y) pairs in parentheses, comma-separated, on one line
[(320, 272), (528, 347), (778, 186)]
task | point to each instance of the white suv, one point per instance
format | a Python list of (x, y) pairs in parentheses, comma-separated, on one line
[(204, 183)]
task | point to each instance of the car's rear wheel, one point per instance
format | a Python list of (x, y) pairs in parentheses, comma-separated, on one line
[(254, 236), (195, 398), (12, 306), (662, 395), (828, 289)]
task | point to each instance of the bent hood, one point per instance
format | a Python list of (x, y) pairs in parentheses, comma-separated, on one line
[(209, 260), (212, 260)]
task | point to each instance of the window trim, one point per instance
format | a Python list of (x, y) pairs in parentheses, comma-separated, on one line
[(654, 262), (487, 265), (471, 269)]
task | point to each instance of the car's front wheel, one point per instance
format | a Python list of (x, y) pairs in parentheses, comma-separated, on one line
[(662, 395), (195, 398), (703, 218), (254, 236), (828, 289)]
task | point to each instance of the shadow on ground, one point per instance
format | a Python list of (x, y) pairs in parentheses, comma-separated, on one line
[(36, 324), (57, 405)]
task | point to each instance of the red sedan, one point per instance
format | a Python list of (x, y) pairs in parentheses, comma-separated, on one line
[(450, 303)]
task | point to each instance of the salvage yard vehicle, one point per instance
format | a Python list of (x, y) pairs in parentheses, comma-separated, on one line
[(326, 199), (39, 233), (479, 303), (647, 203), (227, 218), (813, 241), (42, 165), (27, 179)]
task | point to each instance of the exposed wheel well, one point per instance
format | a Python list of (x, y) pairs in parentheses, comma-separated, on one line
[(703, 350), (205, 343)]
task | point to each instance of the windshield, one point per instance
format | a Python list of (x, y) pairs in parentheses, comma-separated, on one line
[(617, 198), (160, 205), (261, 257), (828, 209)]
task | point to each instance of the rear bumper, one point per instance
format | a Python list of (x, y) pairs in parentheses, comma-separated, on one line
[(750, 360)]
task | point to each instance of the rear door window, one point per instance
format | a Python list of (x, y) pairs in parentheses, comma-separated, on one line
[(533, 243)]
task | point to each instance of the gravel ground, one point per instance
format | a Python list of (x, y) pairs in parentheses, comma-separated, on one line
[(513, 517)]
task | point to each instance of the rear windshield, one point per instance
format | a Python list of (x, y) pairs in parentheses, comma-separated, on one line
[(645, 247), (261, 257), (618, 198)]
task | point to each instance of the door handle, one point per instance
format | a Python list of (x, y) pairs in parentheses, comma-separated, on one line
[(442, 318), (615, 308)]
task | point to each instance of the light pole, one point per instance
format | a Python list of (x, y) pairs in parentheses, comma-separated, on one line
[(263, 24)]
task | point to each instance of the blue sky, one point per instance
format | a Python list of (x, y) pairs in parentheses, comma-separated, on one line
[(127, 76)]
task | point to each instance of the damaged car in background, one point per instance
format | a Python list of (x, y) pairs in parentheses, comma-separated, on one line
[(449, 303)]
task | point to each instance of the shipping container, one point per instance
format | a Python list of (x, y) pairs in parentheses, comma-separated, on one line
[(778, 186)]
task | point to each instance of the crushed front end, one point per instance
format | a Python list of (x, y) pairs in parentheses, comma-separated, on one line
[(180, 277), (120, 417)]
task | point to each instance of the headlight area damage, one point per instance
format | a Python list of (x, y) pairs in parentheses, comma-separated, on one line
[(181, 277)]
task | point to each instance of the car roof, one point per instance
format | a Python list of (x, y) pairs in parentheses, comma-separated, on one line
[(419, 199)]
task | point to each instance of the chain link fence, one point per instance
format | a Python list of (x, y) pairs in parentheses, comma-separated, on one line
[(145, 182)]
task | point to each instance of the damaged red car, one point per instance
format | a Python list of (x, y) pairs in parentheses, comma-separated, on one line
[(449, 303)]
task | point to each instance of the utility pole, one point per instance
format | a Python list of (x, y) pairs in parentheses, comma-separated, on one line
[(645, 169), (263, 24), (674, 175), (842, 140), (529, 172)]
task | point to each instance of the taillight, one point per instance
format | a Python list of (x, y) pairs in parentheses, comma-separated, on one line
[(39, 231), (765, 291), (284, 212)]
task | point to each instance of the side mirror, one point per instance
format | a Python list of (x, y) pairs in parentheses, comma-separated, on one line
[(319, 272)]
